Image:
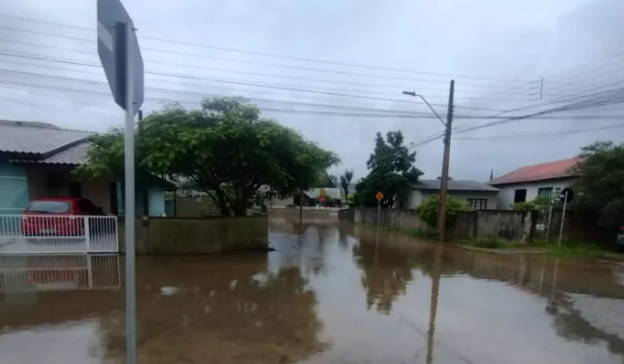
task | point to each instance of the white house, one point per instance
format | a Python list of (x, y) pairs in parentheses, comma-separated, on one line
[(541, 180), (477, 195)]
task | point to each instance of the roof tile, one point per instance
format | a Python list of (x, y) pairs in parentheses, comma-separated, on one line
[(36, 138), (538, 172), (453, 185)]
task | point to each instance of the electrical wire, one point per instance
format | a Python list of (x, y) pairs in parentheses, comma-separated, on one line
[(229, 81), (274, 55), (262, 74), (497, 137)]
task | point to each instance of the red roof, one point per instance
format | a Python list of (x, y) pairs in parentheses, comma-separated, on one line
[(538, 172)]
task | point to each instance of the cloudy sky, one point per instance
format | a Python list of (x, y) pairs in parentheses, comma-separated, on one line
[(290, 56)]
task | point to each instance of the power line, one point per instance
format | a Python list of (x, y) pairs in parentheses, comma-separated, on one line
[(262, 74), (281, 66), (620, 125), (276, 55), (236, 82)]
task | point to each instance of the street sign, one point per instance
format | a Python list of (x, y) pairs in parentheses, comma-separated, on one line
[(121, 59), (322, 199), (379, 196), (566, 193), (119, 53)]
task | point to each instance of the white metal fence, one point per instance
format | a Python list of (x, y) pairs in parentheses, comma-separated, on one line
[(20, 273), (45, 234)]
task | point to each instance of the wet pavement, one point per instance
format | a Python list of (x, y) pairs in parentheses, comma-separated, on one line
[(334, 294)]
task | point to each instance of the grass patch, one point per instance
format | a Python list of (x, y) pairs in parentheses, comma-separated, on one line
[(581, 250), (494, 243)]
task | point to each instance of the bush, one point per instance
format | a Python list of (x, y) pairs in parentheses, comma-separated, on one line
[(531, 205), (427, 211)]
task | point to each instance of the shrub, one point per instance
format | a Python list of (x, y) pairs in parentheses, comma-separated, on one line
[(531, 205), (427, 211)]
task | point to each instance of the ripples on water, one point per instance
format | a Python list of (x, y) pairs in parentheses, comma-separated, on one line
[(333, 294)]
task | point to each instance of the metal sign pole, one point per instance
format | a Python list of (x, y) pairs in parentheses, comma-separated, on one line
[(565, 203), (131, 336)]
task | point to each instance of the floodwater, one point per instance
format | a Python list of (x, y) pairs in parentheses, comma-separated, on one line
[(334, 294)]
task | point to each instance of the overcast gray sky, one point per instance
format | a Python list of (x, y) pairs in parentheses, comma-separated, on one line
[(496, 50)]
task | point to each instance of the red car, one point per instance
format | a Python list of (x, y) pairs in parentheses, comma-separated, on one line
[(57, 216)]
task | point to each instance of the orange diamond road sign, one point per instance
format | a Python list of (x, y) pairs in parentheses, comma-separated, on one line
[(323, 193), (379, 196)]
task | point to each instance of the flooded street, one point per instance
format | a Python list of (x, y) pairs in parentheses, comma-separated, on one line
[(334, 294)]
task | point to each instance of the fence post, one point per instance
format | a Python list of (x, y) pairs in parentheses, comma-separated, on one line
[(87, 234)]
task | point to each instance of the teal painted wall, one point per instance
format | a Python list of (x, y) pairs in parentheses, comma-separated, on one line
[(13, 189), (156, 201), (156, 198)]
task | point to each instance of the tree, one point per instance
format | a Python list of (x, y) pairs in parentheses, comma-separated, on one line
[(390, 169), (345, 180), (427, 211), (326, 180), (600, 183), (225, 148)]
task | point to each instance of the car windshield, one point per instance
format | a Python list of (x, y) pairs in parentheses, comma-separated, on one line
[(48, 207)]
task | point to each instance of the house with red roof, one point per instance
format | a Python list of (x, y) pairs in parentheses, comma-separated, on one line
[(540, 180)]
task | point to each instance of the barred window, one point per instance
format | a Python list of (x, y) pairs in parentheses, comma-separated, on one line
[(477, 203)]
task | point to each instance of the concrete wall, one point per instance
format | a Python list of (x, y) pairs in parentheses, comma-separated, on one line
[(506, 194), (167, 235), (276, 201), (401, 219), (508, 225), (310, 214)]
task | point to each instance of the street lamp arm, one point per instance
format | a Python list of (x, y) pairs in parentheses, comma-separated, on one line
[(413, 93)]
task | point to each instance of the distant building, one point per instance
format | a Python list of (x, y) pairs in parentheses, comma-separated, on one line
[(540, 180), (477, 195)]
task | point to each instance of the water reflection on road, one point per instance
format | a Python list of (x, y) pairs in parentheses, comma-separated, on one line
[(328, 294)]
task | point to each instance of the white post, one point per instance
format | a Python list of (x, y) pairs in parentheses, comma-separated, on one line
[(87, 233), (90, 271), (565, 203), (131, 335)]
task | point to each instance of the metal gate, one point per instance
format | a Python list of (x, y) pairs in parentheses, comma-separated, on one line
[(544, 214), (45, 234)]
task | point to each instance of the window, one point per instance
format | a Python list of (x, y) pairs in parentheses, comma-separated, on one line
[(49, 207), (520, 195), (545, 192), (477, 203)]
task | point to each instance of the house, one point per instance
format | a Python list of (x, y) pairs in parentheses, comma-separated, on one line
[(541, 180), (37, 160), (479, 196), (310, 197)]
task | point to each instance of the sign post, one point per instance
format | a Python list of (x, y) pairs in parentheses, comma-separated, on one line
[(119, 52), (379, 196), (566, 196), (322, 197)]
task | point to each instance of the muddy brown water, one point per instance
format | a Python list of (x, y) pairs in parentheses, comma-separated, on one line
[(333, 294)]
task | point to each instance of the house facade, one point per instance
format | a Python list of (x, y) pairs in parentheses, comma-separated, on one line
[(37, 160), (477, 195), (545, 180)]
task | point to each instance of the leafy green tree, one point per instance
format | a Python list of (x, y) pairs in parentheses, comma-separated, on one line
[(326, 180), (225, 148), (427, 211), (600, 183), (390, 169), (531, 205), (345, 180)]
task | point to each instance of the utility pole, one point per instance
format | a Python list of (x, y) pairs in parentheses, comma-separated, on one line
[(445, 166)]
